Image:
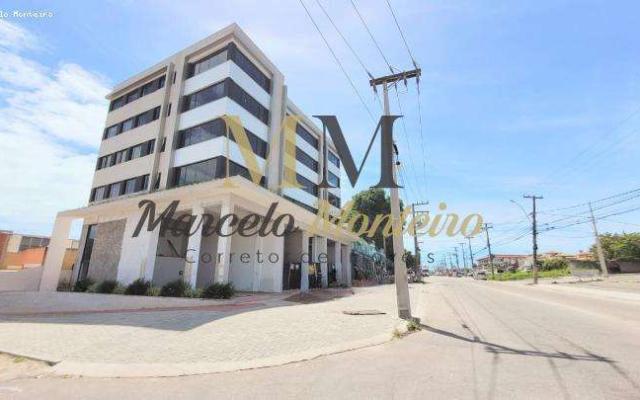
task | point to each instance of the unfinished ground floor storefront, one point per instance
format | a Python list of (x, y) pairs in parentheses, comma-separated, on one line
[(114, 247)]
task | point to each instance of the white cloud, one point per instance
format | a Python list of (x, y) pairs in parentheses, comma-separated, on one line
[(51, 119)]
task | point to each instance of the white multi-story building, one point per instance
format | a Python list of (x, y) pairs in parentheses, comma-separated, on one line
[(166, 139)]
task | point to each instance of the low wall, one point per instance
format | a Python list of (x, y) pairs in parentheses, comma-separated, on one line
[(27, 279)]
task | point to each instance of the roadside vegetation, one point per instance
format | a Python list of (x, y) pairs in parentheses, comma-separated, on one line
[(550, 268), (141, 287)]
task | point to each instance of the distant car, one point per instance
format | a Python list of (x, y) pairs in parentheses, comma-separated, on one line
[(481, 275)]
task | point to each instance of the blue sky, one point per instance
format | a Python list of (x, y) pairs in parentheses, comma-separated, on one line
[(516, 97)]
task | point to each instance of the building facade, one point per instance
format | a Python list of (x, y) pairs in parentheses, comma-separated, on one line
[(169, 136)]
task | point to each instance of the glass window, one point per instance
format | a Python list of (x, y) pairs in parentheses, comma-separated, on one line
[(307, 136), (200, 133), (99, 193), (136, 151), (150, 87), (333, 179), (306, 159), (111, 131), (130, 186), (208, 63), (237, 94), (334, 200), (115, 189), (198, 172), (333, 158), (204, 96), (112, 160), (145, 118), (249, 68), (127, 125), (117, 103), (307, 185), (132, 96), (143, 182)]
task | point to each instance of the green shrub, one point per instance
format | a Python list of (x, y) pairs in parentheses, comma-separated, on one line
[(177, 288), (219, 291), (139, 287), (551, 264), (153, 291), (106, 287), (119, 289), (83, 285)]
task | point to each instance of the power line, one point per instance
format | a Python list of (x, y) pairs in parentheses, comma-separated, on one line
[(344, 39), (335, 57), (406, 45), (593, 202), (371, 35)]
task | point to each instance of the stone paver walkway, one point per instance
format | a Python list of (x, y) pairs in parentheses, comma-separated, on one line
[(192, 337)]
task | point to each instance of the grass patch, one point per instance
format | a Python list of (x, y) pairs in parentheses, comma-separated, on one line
[(519, 275)]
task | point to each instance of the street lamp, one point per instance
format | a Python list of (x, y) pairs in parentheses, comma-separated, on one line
[(522, 208)]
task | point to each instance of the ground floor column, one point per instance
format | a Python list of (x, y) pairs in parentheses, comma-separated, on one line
[(223, 258), (304, 262), (337, 257), (55, 254), (192, 260), (321, 257), (346, 263)]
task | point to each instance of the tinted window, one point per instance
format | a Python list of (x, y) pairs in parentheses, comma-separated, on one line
[(249, 68), (334, 200), (306, 136), (307, 185), (217, 128), (208, 63), (237, 94), (138, 92), (333, 158), (306, 160), (195, 173), (204, 96), (333, 179)]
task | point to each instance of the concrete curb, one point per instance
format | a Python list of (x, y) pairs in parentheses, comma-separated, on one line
[(149, 370)]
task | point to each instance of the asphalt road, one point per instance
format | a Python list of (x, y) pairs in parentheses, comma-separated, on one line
[(479, 341)]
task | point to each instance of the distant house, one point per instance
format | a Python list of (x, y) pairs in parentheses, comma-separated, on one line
[(505, 262)]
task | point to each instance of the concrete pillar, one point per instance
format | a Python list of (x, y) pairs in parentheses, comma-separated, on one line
[(346, 263), (55, 254), (258, 263), (304, 262), (223, 258), (337, 257), (192, 261), (321, 257)]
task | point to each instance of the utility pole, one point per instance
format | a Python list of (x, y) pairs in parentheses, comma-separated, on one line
[(399, 266), (470, 251), (457, 259), (486, 231), (603, 263), (464, 257), (535, 236)]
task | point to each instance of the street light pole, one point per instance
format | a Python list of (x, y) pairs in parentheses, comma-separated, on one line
[(603, 263)]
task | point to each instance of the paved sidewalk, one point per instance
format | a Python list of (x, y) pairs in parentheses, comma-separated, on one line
[(185, 336)]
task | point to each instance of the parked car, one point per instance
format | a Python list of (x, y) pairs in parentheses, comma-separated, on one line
[(481, 275)]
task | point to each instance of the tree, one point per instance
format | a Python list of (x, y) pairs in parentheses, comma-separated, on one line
[(373, 202), (619, 247)]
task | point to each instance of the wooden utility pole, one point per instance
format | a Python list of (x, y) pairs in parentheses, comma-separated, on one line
[(399, 266), (535, 236), (603, 263), (486, 231)]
